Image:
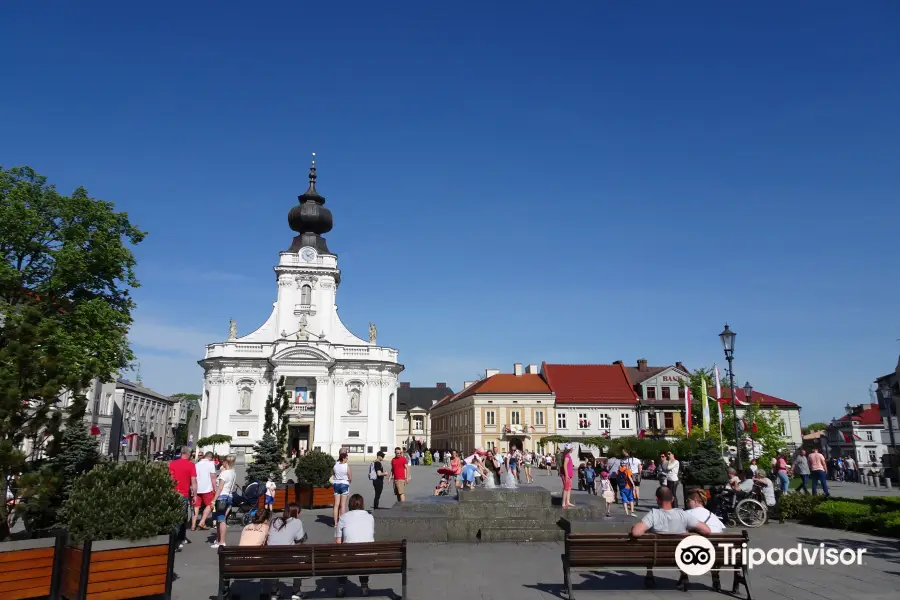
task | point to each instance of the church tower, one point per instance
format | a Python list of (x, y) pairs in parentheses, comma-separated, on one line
[(343, 388)]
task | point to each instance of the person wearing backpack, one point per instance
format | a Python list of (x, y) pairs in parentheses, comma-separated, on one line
[(626, 488), (376, 475)]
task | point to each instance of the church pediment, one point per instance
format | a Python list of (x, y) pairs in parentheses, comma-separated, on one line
[(304, 354)]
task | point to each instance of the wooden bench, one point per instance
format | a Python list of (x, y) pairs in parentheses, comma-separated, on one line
[(588, 552), (310, 560)]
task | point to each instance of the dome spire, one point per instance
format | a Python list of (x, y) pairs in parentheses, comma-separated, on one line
[(310, 219)]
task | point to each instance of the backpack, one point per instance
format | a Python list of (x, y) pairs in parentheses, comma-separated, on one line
[(623, 480), (373, 475)]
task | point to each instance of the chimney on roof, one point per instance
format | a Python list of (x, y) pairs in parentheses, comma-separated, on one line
[(642, 364), (404, 384), (617, 362), (517, 369), (440, 384), (532, 370), (680, 365), (491, 372)]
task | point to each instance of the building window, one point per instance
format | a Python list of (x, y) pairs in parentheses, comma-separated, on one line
[(667, 393), (625, 420), (872, 458), (651, 421), (490, 418), (583, 422), (418, 422), (604, 421), (353, 433), (681, 392), (869, 436), (515, 418), (491, 446), (561, 421), (356, 449), (391, 408), (782, 428), (651, 393), (669, 420), (243, 433), (306, 295), (539, 418), (369, 449)]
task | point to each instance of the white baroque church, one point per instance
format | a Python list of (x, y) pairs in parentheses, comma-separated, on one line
[(343, 388)]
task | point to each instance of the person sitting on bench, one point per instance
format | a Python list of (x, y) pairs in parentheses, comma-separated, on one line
[(666, 519)]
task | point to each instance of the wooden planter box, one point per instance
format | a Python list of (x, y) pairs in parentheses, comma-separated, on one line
[(284, 495), (116, 569), (315, 497), (31, 568)]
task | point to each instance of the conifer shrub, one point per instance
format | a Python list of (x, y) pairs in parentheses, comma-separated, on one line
[(267, 459), (123, 501), (706, 465)]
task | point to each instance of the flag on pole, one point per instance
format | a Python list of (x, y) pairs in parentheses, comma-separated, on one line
[(687, 408), (704, 403), (718, 394)]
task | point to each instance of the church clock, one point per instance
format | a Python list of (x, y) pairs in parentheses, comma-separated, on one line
[(308, 254)]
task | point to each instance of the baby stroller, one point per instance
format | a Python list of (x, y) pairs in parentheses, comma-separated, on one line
[(244, 504), (443, 486)]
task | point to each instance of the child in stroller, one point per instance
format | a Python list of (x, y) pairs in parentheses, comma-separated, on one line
[(244, 504), (443, 486)]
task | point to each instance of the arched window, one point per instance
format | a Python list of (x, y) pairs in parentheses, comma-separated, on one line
[(306, 294)]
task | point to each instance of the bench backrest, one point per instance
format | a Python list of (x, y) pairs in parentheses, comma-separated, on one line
[(309, 560), (649, 550)]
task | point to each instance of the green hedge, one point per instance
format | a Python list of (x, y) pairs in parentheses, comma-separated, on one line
[(877, 515)]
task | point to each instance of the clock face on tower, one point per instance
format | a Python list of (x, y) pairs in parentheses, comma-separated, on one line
[(308, 254)]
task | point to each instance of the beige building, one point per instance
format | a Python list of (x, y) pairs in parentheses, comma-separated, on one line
[(497, 412)]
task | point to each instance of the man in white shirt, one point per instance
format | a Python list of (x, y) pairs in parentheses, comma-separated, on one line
[(672, 468), (612, 467), (206, 485), (634, 464)]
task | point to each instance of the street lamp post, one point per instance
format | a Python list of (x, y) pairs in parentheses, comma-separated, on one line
[(748, 395), (727, 336)]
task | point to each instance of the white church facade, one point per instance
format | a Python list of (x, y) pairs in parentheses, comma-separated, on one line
[(343, 388)]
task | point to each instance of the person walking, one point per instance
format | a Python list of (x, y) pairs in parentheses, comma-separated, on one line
[(784, 484), (635, 466), (342, 479), (852, 473), (612, 467), (626, 488), (184, 474), (356, 526), (801, 468), (400, 474), (527, 461), (672, 469), (206, 485), (818, 471), (225, 484), (377, 475)]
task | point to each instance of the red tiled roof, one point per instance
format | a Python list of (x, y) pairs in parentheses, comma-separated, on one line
[(502, 383), (590, 384), (757, 398), (868, 416)]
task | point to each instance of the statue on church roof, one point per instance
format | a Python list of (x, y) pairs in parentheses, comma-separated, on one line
[(373, 333), (303, 333), (232, 330)]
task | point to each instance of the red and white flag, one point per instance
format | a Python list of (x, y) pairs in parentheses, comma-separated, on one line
[(687, 408), (718, 393)]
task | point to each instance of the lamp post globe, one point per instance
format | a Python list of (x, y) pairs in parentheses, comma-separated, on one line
[(748, 391), (727, 336)]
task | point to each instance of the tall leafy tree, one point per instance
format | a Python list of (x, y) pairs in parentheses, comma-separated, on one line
[(268, 454), (66, 272)]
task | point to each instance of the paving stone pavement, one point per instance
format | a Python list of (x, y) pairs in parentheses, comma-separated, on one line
[(533, 570)]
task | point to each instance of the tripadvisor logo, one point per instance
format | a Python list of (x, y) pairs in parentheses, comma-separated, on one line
[(695, 555)]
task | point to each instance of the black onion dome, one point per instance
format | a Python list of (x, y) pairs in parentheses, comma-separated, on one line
[(310, 219)]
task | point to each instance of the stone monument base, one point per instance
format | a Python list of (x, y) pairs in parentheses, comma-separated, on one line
[(528, 513)]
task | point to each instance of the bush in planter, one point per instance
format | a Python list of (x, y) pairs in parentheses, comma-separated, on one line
[(799, 506), (315, 469), (707, 466), (428, 458), (123, 501)]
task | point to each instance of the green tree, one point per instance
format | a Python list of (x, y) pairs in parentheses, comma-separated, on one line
[(268, 453), (65, 310), (214, 440), (767, 431), (812, 427)]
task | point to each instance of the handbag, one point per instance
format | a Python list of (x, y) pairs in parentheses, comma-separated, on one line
[(221, 504)]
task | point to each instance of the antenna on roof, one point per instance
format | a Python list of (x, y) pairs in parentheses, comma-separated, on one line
[(137, 372)]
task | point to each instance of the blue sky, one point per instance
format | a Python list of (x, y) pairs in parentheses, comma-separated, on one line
[(578, 183)]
